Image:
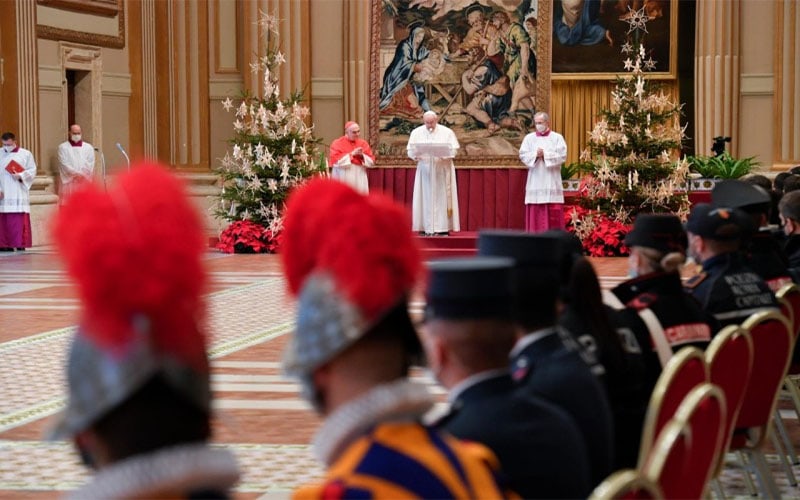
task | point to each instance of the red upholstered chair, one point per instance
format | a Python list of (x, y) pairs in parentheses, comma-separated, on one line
[(772, 340), (730, 363), (684, 371), (626, 484), (687, 450)]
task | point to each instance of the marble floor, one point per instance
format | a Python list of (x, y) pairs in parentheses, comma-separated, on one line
[(259, 415)]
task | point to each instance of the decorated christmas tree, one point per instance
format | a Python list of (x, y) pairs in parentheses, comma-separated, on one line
[(634, 152), (272, 151)]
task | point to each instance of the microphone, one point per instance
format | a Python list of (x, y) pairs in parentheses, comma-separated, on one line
[(127, 158)]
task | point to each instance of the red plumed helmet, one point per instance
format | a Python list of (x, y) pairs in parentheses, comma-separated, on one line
[(358, 249), (135, 253)]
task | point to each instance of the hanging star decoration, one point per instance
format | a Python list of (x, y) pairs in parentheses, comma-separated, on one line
[(637, 20), (649, 64), (627, 48)]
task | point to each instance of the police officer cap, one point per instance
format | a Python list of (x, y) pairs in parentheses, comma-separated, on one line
[(662, 232), (739, 194), (716, 223), (529, 251), (470, 288)]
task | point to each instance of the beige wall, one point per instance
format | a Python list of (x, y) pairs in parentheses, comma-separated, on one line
[(755, 132), (327, 100)]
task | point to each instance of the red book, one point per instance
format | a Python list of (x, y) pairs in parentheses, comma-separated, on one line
[(14, 168)]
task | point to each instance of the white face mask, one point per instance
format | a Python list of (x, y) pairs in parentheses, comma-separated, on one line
[(8, 149), (541, 127), (75, 137)]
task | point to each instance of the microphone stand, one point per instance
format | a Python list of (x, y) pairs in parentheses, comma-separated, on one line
[(127, 158), (102, 162)]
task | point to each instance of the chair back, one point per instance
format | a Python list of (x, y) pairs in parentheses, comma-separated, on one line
[(684, 371), (704, 411), (626, 484), (688, 447), (666, 465), (772, 342), (791, 294), (730, 363)]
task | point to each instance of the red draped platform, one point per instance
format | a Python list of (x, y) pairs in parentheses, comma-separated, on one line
[(490, 197)]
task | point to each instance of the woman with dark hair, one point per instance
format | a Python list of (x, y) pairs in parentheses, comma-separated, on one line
[(585, 316)]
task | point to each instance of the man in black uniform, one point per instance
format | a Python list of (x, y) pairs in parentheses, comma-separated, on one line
[(468, 333), (541, 362), (763, 248), (727, 287)]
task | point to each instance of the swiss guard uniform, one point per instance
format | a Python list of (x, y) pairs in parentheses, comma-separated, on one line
[(538, 444), (727, 287), (541, 362), (763, 249)]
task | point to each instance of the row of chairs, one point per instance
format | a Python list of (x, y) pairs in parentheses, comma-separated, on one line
[(706, 404)]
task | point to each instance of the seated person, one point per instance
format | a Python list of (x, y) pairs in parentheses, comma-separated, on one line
[(352, 349), (763, 248), (545, 361), (139, 404), (727, 287), (537, 443)]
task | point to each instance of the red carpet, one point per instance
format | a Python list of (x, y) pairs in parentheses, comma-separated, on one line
[(462, 243)]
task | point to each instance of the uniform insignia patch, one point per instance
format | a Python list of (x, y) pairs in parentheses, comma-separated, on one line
[(695, 280), (521, 369)]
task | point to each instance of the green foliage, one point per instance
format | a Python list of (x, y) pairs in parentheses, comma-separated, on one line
[(723, 166), (575, 169)]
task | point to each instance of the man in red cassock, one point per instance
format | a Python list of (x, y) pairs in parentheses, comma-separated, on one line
[(350, 155)]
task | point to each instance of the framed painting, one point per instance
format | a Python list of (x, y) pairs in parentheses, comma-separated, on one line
[(482, 65), (588, 34)]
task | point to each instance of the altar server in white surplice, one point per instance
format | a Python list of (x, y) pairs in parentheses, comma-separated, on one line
[(75, 163), (543, 151), (435, 200)]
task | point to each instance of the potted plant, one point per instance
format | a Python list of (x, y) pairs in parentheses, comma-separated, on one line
[(707, 169), (571, 174)]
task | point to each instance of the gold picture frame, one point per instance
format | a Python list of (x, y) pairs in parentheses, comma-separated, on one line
[(449, 57), (588, 35)]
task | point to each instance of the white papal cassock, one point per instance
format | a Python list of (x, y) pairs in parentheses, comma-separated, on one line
[(435, 199)]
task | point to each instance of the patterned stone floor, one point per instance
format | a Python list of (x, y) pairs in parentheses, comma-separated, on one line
[(258, 413)]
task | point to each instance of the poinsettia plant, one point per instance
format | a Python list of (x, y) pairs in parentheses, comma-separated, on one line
[(244, 236), (601, 235)]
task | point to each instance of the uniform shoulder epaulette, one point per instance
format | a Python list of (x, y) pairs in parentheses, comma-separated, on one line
[(692, 282)]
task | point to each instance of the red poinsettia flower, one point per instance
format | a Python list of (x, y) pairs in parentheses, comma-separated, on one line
[(248, 237)]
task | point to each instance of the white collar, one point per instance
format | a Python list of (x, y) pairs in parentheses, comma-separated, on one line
[(472, 380), (176, 469), (396, 401), (530, 338)]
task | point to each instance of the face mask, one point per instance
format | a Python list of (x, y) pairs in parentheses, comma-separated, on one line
[(75, 137), (541, 127), (8, 149)]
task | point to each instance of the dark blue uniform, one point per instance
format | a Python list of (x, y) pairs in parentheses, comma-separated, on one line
[(730, 290), (684, 324), (547, 369), (624, 380), (767, 258), (539, 446)]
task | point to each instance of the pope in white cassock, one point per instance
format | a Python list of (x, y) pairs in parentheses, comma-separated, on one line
[(543, 151), (435, 199), (75, 163)]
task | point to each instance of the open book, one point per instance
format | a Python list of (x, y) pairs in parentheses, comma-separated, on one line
[(14, 168)]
